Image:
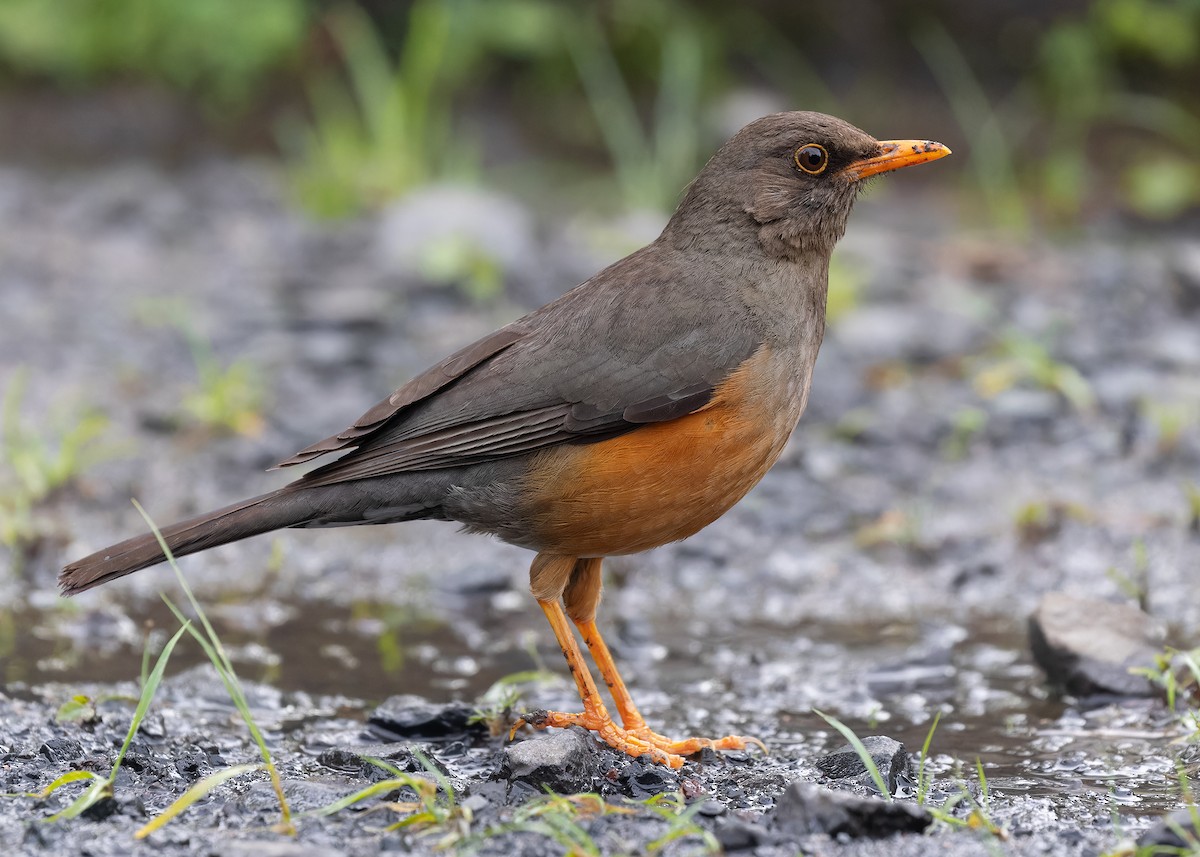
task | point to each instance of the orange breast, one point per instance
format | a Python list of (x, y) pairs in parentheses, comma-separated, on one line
[(665, 481)]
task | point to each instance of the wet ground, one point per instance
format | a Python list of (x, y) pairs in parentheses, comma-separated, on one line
[(990, 421)]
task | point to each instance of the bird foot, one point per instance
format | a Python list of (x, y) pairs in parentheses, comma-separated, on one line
[(640, 741), (688, 746)]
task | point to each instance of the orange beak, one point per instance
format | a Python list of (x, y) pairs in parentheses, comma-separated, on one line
[(894, 154)]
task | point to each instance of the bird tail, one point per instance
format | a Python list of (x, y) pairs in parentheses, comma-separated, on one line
[(282, 508)]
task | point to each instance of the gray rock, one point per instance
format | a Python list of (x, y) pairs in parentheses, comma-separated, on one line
[(1179, 829), (888, 754), (806, 809), (562, 760), (1088, 646), (409, 716), (494, 227)]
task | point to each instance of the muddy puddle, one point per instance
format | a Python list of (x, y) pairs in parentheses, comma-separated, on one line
[(1036, 750)]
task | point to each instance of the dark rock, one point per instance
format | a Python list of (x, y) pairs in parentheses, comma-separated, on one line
[(1088, 646), (60, 750), (341, 759), (806, 809), (563, 761), (1179, 830), (888, 754), (414, 717)]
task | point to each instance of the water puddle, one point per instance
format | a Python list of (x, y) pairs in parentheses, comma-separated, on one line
[(996, 712)]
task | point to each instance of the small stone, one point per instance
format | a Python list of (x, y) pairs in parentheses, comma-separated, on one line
[(563, 761), (1088, 646), (888, 754), (805, 809), (1180, 829)]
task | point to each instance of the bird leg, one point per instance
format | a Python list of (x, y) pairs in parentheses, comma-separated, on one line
[(632, 719), (579, 583), (595, 716)]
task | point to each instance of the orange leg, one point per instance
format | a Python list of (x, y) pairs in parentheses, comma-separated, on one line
[(635, 724), (595, 716)]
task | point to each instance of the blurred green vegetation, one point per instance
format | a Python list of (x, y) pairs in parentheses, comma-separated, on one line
[(38, 460), (1060, 112), (220, 50)]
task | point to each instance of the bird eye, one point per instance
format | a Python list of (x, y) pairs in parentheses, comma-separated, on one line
[(812, 158)]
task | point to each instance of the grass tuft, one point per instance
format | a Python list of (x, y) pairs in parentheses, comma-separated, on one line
[(211, 644)]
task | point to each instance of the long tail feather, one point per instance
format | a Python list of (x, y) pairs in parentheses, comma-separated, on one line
[(283, 508)]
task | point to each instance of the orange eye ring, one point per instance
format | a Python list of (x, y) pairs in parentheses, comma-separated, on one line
[(812, 158)]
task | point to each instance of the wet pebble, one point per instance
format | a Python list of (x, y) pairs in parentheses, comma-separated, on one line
[(1088, 646)]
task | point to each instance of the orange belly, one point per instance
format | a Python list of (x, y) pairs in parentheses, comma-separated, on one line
[(664, 481)]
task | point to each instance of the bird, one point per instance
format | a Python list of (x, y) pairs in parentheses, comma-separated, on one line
[(630, 412)]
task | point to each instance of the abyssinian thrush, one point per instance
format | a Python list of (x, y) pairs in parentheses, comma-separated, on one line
[(630, 412)]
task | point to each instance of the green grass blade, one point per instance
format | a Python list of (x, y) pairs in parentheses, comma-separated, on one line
[(922, 784), (68, 777), (152, 683), (442, 780), (211, 644), (381, 787), (612, 104), (93, 794), (197, 791), (990, 155)]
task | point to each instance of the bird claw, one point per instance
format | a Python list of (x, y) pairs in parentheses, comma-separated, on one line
[(640, 741)]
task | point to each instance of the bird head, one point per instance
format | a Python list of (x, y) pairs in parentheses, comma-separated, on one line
[(790, 179)]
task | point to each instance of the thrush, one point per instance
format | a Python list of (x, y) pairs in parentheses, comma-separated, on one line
[(631, 412)]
